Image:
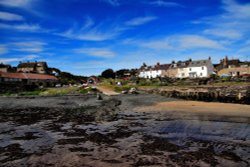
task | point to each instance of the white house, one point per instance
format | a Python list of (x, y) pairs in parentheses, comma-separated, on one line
[(182, 71), (199, 69), (153, 71)]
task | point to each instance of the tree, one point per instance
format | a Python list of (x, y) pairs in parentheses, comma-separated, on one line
[(67, 78), (109, 73), (121, 73)]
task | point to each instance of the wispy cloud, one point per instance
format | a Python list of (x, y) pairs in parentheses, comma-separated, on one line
[(196, 41), (16, 59), (231, 34), (96, 52), (233, 23), (104, 30), (16, 3), (3, 49), (112, 2), (93, 32), (92, 35), (10, 16), (27, 5), (157, 44), (178, 43), (29, 46), (22, 27), (163, 3), (140, 20)]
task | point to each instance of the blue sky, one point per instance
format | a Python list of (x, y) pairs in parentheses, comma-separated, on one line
[(85, 37)]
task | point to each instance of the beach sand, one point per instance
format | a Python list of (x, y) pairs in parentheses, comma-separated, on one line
[(226, 109)]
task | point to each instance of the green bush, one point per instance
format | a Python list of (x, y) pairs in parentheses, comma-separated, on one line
[(122, 88), (30, 93)]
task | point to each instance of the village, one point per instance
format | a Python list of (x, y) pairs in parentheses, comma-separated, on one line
[(38, 73), (196, 69)]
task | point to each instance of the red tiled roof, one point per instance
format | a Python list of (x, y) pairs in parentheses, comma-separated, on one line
[(27, 76)]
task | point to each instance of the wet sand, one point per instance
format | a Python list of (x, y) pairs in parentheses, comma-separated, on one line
[(121, 131), (226, 109)]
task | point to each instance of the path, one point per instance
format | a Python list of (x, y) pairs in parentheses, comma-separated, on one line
[(107, 91)]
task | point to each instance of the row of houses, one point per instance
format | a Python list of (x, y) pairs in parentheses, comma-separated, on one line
[(27, 73), (26, 67), (195, 69), (43, 80)]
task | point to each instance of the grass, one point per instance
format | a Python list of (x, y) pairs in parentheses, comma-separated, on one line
[(51, 92), (30, 93), (59, 91), (123, 88), (111, 84)]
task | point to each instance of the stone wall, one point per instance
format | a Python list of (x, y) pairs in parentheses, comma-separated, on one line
[(233, 94), (171, 73), (235, 71)]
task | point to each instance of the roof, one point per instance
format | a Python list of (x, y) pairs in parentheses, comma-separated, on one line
[(233, 62), (4, 66), (31, 64), (156, 67), (27, 76), (180, 64), (161, 66), (199, 63)]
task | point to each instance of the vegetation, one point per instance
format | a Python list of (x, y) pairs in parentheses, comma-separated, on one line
[(169, 83), (123, 88), (119, 74), (51, 92), (109, 73), (66, 78)]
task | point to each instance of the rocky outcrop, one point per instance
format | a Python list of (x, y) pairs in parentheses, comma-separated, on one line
[(232, 94), (15, 87)]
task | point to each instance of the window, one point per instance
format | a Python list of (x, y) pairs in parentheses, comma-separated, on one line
[(200, 74), (202, 68), (190, 69)]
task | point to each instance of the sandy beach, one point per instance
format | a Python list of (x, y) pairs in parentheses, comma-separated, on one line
[(226, 109)]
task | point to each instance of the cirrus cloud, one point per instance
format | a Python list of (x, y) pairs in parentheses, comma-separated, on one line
[(96, 52), (10, 16)]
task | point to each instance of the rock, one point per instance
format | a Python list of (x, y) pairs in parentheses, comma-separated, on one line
[(124, 92), (99, 97), (133, 91), (230, 94)]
